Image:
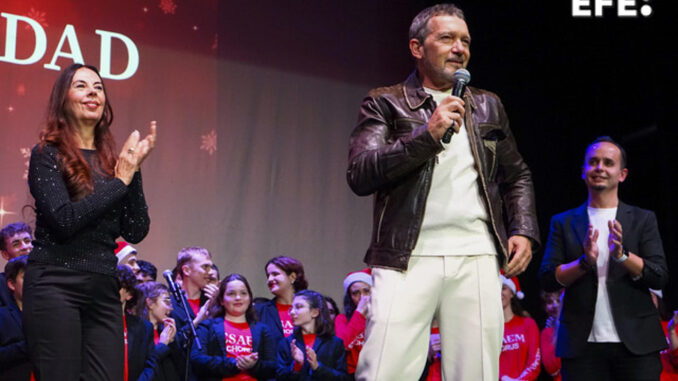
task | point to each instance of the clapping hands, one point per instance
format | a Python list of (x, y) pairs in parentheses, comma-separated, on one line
[(133, 153)]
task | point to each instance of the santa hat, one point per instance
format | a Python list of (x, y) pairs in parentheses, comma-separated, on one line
[(124, 250), (364, 275), (514, 285)]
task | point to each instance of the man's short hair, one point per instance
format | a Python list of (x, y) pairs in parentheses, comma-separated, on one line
[(147, 268), (12, 229), (419, 27), (15, 266), (126, 278), (187, 254), (607, 139)]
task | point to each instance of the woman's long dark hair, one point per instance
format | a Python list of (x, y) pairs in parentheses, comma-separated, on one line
[(349, 306), (60, 133), (324, 326), (517, 308), (218, 310)]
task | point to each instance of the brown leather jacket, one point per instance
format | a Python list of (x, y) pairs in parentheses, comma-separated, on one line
[(392, 155)]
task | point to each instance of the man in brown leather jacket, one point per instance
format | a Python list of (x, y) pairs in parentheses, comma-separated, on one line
[(446, 216)]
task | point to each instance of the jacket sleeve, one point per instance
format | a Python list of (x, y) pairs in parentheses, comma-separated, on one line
[(157, 354), (206, 363), (266, 366), (285, 363), (64, 216), (655, 273), (516, 185), (334, 369), (554, 256), (376, 158), (348, 330), (13, 353), (135, 221)]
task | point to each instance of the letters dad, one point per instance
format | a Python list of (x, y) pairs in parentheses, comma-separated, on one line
[(75, 54)]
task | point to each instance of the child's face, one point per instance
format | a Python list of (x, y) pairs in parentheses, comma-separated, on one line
[(552, 303), (301, 312)]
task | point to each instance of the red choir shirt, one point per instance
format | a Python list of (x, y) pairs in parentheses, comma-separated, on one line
[(669, 359), (285, 318), (520, 358), (124, 325), (434, 371), (352, 333), (238, 338), (195, 305), (548, 353), (309, 340)]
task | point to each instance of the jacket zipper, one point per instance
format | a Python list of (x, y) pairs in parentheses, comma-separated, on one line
[(482, 180), (381, 217)]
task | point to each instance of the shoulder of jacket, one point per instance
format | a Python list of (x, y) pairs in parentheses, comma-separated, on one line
[(378, 92)]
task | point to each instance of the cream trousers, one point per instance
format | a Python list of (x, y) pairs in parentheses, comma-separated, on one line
[(463, 292)]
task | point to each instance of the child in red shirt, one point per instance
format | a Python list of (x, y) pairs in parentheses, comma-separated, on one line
[(234, 346), (551, 363), (350, 326), (520, 355), (312, 352)]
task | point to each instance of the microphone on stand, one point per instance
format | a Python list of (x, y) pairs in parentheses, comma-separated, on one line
[(461, 77), (167, 274), (181, 301)]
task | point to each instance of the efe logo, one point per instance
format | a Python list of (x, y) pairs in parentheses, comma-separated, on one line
[(625, 8)]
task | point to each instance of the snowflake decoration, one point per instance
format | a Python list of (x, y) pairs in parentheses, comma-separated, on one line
[(209, 142), (167, 6), (21, 89), (38, 16), (26, 153)]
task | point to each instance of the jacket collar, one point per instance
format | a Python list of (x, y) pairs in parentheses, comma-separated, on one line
[(415, 96)]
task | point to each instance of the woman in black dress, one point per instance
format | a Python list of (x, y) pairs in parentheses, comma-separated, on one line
[(85, 198)]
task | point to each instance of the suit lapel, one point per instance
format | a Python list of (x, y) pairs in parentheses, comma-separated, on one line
[(317, 344), (625, 218), (221, 334), (580, 224)]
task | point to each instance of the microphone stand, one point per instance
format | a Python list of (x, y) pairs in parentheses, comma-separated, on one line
[(190, 336)]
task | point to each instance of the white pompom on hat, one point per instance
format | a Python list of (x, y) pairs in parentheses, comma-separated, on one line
[(124, 250), (514, 285), (364, 275)]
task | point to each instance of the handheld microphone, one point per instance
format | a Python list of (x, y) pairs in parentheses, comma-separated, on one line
[(461, 77)]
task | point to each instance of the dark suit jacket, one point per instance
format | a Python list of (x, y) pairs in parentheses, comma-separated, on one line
[(635, 316), (212, 363), (6, 297), (331, 356), (267, 313), (144, 358), (14, 364)]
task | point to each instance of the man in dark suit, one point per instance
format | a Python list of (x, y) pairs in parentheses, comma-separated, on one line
[(607, 255)]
